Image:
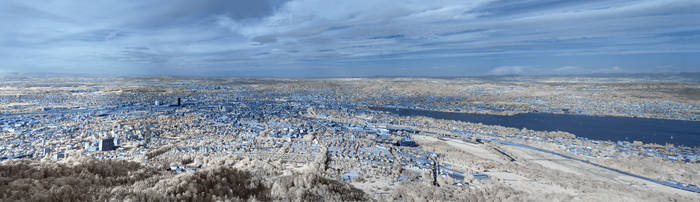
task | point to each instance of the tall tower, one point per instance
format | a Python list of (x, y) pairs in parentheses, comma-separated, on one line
[(436, 168)]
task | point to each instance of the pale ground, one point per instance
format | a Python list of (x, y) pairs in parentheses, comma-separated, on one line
[(528, 185), (585, 170), (378, 185), (514, 180), (476, 149), (507, 173)]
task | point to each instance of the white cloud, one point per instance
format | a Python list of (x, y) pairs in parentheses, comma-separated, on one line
[(505, 70), (568, 70), (614, 69)]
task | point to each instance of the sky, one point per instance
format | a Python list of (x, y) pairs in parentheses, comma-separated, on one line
[(353, 38)]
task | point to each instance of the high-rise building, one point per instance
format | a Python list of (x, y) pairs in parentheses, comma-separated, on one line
[(106, 144)]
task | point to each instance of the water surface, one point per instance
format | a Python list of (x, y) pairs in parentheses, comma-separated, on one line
[(659, 131)]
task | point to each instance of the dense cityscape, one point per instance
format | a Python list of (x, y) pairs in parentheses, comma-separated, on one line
[(342, 129)]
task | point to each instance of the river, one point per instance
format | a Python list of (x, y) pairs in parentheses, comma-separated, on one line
[(659, 131)]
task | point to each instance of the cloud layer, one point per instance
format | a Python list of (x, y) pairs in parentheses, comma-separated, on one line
[(349, 38)]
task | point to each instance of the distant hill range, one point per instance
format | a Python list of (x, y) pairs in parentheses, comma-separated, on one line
[(677, 76)]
